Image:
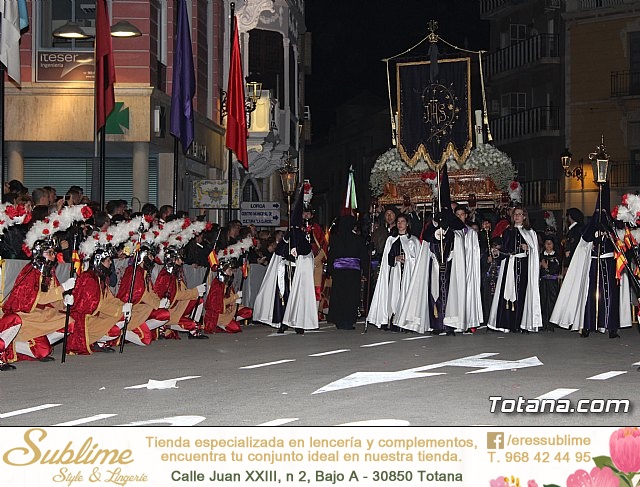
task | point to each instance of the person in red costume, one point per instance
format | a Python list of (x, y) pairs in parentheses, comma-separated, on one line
[(38, 300), (170, 285), (222, 308), (148, 312)]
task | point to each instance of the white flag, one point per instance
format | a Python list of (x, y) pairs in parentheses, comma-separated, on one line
[(10, 38)]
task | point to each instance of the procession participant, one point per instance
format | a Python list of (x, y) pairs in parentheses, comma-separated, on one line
[(516, 303), (98, 307), (316, 237), (575, 227), (10, 323), (381, 234), (185, 305), (490, 269), (37, 296), (591, 298), (286, 297), (396, 268), (347, 258), (550, 274), (223, 305)]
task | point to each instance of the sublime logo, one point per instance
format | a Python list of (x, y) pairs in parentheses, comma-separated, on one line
[(88, 453), (495, 441)]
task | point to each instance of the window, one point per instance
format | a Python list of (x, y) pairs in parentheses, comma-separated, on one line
[(517, 33), (634, 135), (513, 103), (266, 60), (53, 14)]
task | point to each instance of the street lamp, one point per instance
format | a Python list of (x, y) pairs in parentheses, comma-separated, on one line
[(600, 162), (71, 30), (125, 29), (289, 180), (252, 95)]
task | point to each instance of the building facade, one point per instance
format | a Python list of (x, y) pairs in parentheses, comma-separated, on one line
[(49, 118), (560, 74)]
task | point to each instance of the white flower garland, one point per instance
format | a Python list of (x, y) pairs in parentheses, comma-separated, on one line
[(492, 163)]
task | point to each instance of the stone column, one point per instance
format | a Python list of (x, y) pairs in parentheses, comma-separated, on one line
[(141, 172), (15, 161), (165, 179)]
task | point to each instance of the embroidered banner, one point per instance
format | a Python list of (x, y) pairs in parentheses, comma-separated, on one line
[(434, 116)]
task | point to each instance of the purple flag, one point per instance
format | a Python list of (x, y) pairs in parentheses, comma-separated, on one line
[(183, 87)]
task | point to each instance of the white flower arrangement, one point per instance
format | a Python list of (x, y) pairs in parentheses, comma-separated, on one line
[(493, 163)]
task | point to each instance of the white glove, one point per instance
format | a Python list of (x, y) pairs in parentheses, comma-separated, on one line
[(68, 299), (239, 294), (202, 289), (294, 252), (165, 303), (126, 310), (238, 300), (69, 284)]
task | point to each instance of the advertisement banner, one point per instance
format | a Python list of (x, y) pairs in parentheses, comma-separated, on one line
[(340, 456), (65, 66)]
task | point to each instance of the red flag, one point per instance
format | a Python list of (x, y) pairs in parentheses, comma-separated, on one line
[(245, 268), (76, 262), (105, 68), (236, 113)]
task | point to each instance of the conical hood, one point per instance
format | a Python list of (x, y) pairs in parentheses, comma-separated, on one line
[(296, 209), (604, 202)]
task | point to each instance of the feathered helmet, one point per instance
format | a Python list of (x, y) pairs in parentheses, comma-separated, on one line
[(628, 211), (100, 254), (13, 215), (307, 190), (231, 256), (111, 239), (515, 192), (42, 232)]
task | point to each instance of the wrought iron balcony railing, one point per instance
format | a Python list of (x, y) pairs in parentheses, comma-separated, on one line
[(524, 53), (625, 83), (534, 122), (541, 192)]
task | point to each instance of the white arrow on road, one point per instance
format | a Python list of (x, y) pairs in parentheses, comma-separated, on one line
[(479, 361)]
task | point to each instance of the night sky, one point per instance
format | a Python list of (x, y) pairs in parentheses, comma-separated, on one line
[(350, 37)]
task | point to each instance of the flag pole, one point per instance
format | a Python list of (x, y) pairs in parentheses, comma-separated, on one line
[(232, 7), (2, 136), (175, 173)]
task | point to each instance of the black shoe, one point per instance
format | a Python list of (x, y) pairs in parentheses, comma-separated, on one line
[(101, 348), (450, 333), (48, 358), (385, 327), (5, 366), (584, 333), (198, 336), (299, 331), (613, 334), (524, 332), (282, 329), (394, 328)]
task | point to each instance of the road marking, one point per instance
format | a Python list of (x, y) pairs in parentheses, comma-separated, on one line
[(557, 393), (607, 375), (266, 364), (480, 361), (376, 344), (171, 421), (18, 412), (89, 419), (331, 352), (278, 422), (168, 381), (417, 338)]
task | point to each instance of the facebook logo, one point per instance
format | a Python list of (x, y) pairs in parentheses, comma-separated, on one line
[(495, 441)]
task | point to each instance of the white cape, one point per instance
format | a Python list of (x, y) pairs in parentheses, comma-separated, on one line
[(302, 309), (415, 315), (263, 305), (532, 313), (569, 309), (393, 283)]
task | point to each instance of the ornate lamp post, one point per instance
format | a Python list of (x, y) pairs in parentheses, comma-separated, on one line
[(600, 162), (576, 173), (289, 181)]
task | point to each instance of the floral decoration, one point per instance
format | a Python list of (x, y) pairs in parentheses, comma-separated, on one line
[(550, 220), (617, 470), (492, 163), (388, 168)]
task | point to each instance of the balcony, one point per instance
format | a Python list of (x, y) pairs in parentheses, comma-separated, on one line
[(527, 124), (624, 174), (490, 9), (542, 193), (625, 83), (540, 49)]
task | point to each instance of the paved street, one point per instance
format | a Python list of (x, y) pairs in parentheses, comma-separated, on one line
[(327, 377)]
